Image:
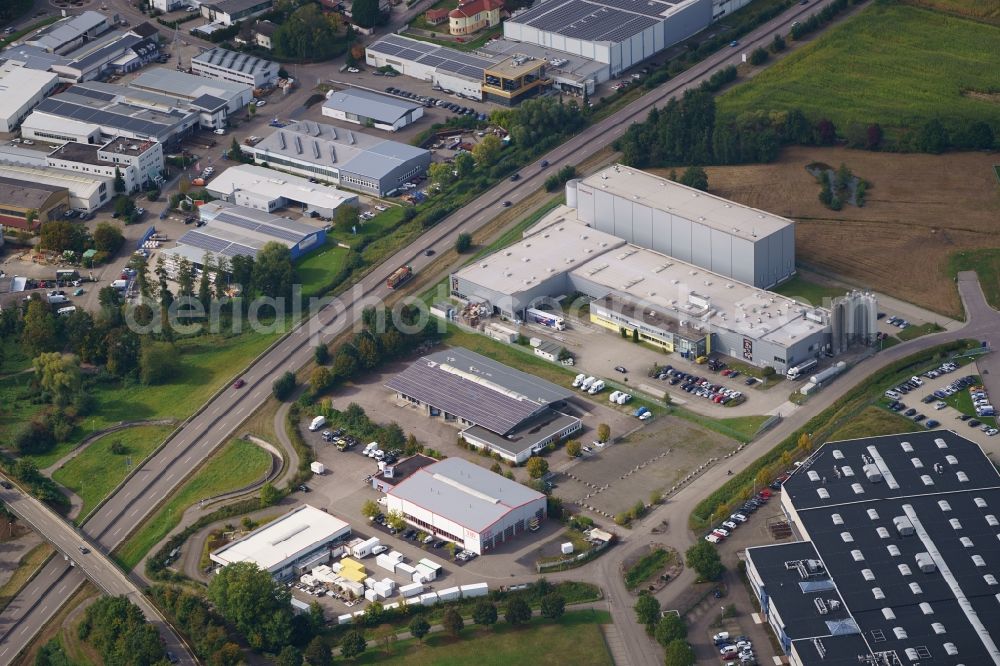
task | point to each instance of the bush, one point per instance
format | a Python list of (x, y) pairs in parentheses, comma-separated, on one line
[(758, 56), (283, 386), (463, 243)]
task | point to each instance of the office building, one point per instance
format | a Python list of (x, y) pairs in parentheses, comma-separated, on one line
[(219, 63), (139, 163)]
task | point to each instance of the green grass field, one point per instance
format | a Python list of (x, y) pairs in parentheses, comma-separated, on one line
[(648, 566), (911, 332), (575, 639), (986, 264), (854, 73), (981, 10), (96, 471), (237, 464), (318, 267), (205, 364), (874, 421), (807, 292)]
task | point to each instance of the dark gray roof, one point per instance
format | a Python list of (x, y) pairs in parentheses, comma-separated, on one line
[(208, 103), (595, 20), (446, 59), (477, 389), (528, 434), (230, 6), (25, 193), (239, 62), (144, 29), (405, 468), (464, 492), (955, 523)]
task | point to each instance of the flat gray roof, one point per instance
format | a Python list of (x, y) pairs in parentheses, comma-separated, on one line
[(598, 20), (440, 57), (477, 389), (190, 86), (536, 429), (687, 202), (356, 152), (382, 108), (464, 493), (66, 30)]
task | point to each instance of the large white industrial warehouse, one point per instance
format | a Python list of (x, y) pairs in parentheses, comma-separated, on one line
[(467, 504), (296, 542), (681, 267), (619, 33)]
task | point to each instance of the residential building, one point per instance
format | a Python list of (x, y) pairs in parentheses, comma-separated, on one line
[(347, 158), (503, 410), (219, 63), (21, 198), (363, 107), (20, 91), (268, 190), (228, 12), (471, 16), (290, 545), (898, 562), (467, 504)]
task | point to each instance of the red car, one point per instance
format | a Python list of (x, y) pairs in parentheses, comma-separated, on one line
[(239, 384)]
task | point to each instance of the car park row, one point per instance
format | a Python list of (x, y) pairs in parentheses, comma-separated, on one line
[(432, 102)]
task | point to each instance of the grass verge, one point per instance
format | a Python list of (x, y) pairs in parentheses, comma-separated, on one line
[(986, 264), (237, 464), (805, 291), (27, 567), (911, 332), (575, 638), (97, 471), (647, 567), (872, 422)]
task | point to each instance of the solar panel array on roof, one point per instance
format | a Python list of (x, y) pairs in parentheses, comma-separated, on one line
[(446, 59), (596, 20), (215, 245), (269, 229), (240, 62)]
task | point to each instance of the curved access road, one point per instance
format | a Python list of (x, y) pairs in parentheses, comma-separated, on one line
[(157, 477)]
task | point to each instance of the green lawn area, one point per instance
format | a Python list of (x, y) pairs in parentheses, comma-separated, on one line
[(983, 10), (14, 357), (319, 267), (518, 356), (807, 292), (96, 471), (377, 227), (237, 464), (420, 21), (575, 639), (15, 412), (745, 425), (874, 421), (986, 264), (911, 332), (854, 74), (468, 45), (648, 566), (205, 364)]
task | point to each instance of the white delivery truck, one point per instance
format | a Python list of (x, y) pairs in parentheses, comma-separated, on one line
[(121, 285), (317, 423)]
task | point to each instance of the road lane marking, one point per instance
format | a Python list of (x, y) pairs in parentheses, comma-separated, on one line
[(186, 460)]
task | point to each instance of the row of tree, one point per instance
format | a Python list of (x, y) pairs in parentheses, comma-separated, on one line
[(62, 235), (119, 632)]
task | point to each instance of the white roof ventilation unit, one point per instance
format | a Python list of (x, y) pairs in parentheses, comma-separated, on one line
[(907, 447)]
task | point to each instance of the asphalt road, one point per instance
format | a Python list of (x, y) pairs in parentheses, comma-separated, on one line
[(152, 482)]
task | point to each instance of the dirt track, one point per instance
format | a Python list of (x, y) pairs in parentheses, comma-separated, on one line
[(919, 210)]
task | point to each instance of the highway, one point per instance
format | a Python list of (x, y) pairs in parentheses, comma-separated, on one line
[(205, 431)]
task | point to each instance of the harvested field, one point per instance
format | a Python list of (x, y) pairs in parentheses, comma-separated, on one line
[(920, 210), (981, 10)]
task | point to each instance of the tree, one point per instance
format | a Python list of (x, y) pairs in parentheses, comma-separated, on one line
[(119, 632), (487, 151), (635, 335), (484, 613), (932, 138), (368, 351), (517, 611), (647, 609), (39, 330), (758, 56), (273, 273), (108, 238), (553, 606), (119, 181), (537, 467), (269, 495), (289, 656), (826, 132), (33, 439), (395, 520), (205, 283), (308, 33), (695, 177), (370, 509), (385, 635), (321, 354), (465, 164), (453, 622), (352, 645), (873, 137), (603, 432), (185, 277), (58, 375), (256, 604), (419, 627), (60, 236), (679, 653), (440, 173), (670, 628), (124, 208), (320, 379), (778, 43), (283, 386), (345, 217), (573, 448), (463, 243), (365, 12), (318, 653), (705, 560), (157, 362)]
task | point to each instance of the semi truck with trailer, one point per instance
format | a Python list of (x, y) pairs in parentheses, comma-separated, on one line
[(801, 369), (545, 319), (399, 276)]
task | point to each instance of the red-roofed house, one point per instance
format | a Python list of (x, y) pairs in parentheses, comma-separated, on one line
[(473, 16), (436, 16)]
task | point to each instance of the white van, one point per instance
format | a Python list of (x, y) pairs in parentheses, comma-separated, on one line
[(317, 423), (585, 384), (120, 284), (371, 446), (579, 380), (614, 396), (68, 310), (596, 387)]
